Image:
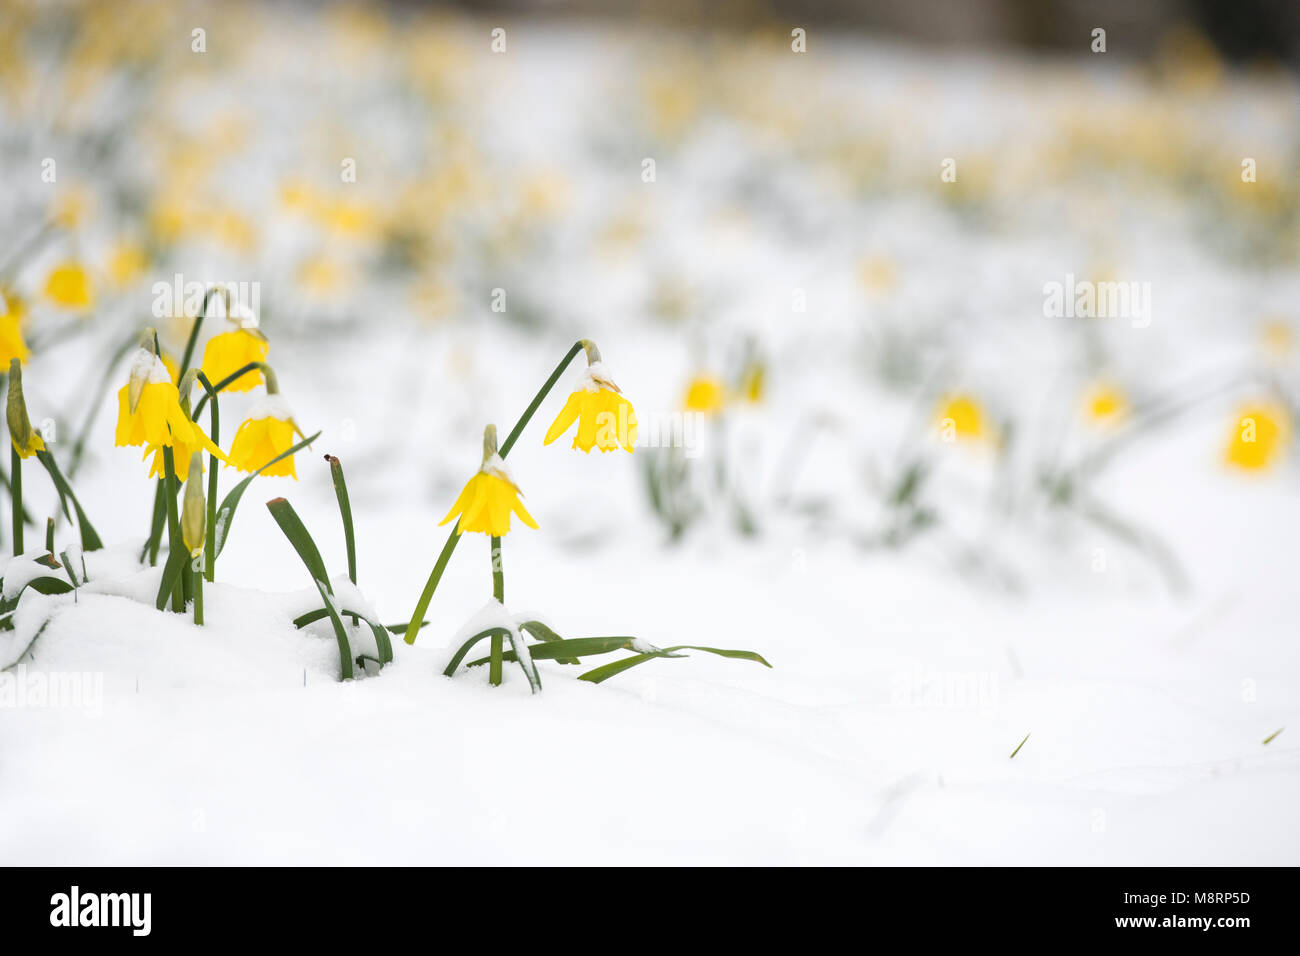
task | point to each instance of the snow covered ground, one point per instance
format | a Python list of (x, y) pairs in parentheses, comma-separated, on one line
[(797, 204)]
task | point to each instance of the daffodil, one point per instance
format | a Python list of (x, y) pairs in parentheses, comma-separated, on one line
[(1105, 403), (605, 418), (228, 352), (12, 345), (962, 417), (149, 410), (266, 433), (1259, 436), (182, 450), (25, 439), (488, 498), (68, 287), (705, 394)]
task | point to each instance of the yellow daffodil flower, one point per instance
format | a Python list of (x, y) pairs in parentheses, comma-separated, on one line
[(68, 287), (267, 432), (1259, 436), (706, 395), (487, 499), (961, 417), (1105, 404), (149, 410), (12, 345), (228, 352), (605, 418)]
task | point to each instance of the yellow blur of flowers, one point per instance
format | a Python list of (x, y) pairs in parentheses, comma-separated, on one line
[(267, 433), (961, 416), (68, 287), (605, 418), (1105, 404), (705, 394), (227, 353), (1259, 436), (486, 501)]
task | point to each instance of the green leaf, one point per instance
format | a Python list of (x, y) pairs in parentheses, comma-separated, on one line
[(567, 648), (1019, 745), (226, 513), (300, 538), (382, 641), (345, 512), (90, 540), (464, 648), (302, 542), (525, 662), (176, 561), (606, 671), (47, 585), (543, 633)]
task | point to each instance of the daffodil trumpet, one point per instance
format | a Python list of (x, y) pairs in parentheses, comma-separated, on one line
[(453, 538)]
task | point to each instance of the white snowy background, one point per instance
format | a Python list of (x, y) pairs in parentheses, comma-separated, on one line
[(903, 676)]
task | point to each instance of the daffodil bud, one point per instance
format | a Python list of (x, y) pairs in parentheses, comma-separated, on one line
[(193, 513), (186, 386), (20, 426)]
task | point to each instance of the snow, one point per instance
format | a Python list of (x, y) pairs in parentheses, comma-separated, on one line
[(903, 677), (270, 406)]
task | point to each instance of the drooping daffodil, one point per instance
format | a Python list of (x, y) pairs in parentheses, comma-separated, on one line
[(488, 498), (605, 418)]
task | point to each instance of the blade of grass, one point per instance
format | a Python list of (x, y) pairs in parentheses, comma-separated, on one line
[(345, 512), (606, 671), (1018, 746), (302, 542), (90, 540)]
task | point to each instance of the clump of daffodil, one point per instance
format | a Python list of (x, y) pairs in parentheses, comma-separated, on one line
[(1105, 403), (1259, 436), (705, 394), (68, 287), (488, 498), (26, 440), (149, 408), (266, 433), (228, 352), (605, 418), (961, 416)]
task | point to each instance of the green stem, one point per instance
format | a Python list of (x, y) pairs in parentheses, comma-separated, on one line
[(16, 496), (498, 592), (156, 523), (210, 535), (197, 575), (173, 524), (194, 329), (417, 616)]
